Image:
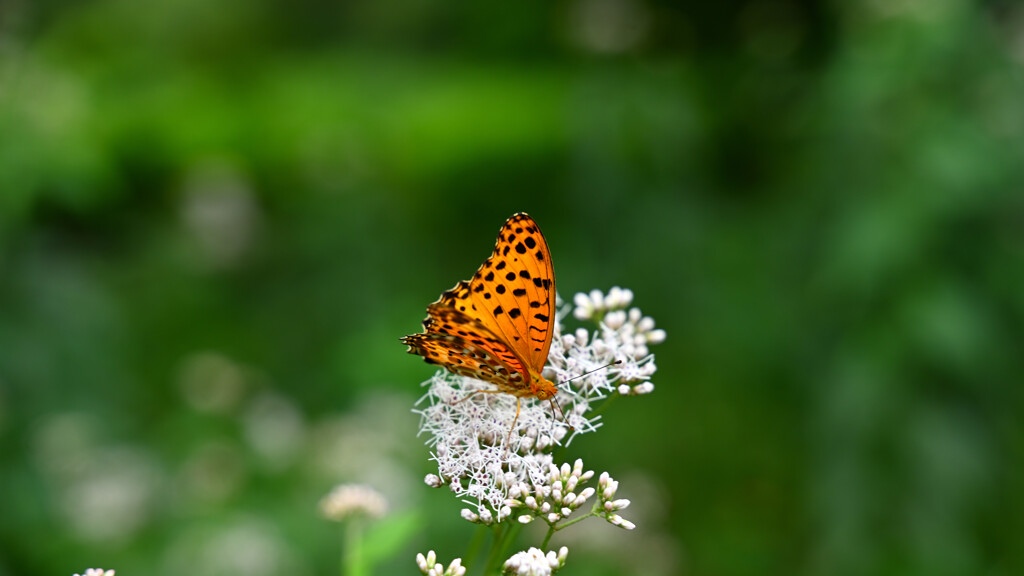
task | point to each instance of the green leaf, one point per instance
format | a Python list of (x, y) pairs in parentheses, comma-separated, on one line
[(384, 538)]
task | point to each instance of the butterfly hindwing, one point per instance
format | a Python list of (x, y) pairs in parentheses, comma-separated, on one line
[(465, 358), (444, 319)]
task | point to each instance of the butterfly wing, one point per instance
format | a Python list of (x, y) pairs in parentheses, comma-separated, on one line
[(466, 347), (512, 293)]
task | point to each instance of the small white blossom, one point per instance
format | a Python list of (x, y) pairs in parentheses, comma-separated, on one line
[(642, 388), (347, 500), (595, 305), (616, 504), (429, 566), (534, 562), (97, 572), (617, 520), (426, 563)]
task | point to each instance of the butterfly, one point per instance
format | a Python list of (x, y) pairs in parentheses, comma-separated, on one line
[(497, 326)]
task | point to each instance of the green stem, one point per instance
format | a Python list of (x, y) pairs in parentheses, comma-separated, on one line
[(510, 539), (503, 539), (475, 545), (352, 554), (570, 522), (495, 549), (547, 537), (552, 528)]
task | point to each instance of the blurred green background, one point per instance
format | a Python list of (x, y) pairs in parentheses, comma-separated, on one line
[(217, 218)]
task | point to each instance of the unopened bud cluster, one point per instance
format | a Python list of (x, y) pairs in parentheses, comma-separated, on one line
[(429, 566), (562, 493), (534, 562), (606, 488), (633, 331), (594, 305)]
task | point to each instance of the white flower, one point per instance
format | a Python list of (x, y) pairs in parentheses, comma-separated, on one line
[(347, 500), (97, 572), (469, 435), (480, 456), (429, 566), (534, 562)]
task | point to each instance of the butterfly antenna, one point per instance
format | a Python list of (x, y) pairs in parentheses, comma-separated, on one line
[(592, 371), (556, 408)]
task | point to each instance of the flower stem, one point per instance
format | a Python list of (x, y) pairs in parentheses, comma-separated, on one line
[(473, 550), (503, 539), (556, 528), (495, 550), (547, 537), (352, 559)]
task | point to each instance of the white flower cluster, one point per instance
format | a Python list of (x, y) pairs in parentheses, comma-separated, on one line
[(97, 572), (429, 566), (468, 438), (564, 493), (347, 500), (534, 562), (629, 329), (468, 431)]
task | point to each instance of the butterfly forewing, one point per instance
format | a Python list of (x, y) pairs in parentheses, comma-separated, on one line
[(497, 326), (512, 293)]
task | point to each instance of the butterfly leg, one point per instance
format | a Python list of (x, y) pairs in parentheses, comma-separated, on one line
[(474, 393), (508, 439)]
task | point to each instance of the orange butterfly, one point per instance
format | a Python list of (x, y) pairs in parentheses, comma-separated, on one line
[(497, 327)]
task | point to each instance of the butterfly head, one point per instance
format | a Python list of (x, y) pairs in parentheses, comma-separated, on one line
[(541, 387)]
